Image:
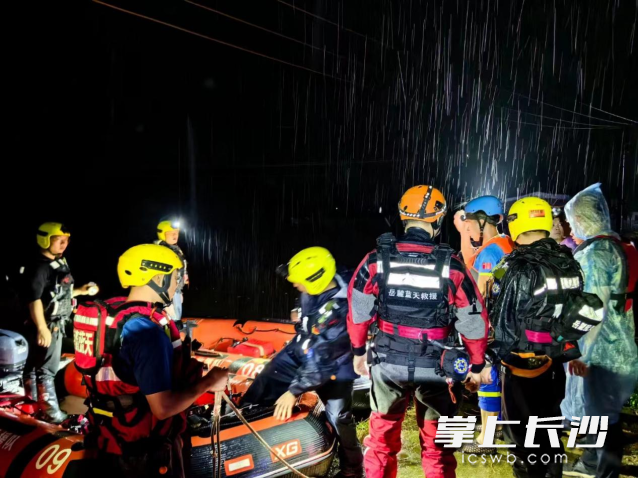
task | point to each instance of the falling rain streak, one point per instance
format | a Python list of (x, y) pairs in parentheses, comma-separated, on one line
[(368, 98)]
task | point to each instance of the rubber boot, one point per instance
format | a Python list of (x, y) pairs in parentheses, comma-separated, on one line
[(48, 402), (30, 387)]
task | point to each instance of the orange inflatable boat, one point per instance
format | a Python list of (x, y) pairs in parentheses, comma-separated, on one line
[(31, 448)]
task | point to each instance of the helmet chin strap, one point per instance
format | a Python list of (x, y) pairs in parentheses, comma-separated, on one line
[(57, 256), (479, 243), (436, 225), (162, 290)]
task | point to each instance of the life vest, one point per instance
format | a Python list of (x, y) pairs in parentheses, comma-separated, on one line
[(120, 418), (62, 302), (629, 275), (414, 313), (414, 286), (177, 250), (502, 241), (321, 331)]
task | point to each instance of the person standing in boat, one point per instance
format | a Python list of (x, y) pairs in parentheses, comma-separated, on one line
[(168, 236), (47, 296), (319, 357)]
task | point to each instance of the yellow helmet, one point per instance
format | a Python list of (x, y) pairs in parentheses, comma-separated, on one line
[(164, 226), (314, 268), (49, 229), (140, 264), (529, 214)]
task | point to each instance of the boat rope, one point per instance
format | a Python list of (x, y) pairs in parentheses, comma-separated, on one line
[(240, 329), (258, 436), (215, 441)]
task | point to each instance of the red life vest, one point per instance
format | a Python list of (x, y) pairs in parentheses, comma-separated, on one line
[(629, 275), (119, 414)]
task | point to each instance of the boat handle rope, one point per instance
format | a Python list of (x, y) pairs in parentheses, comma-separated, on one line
[(240, 328), (258, 436)]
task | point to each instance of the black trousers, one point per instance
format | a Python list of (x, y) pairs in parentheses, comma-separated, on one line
[(541, 396), (606, 461), (43, 361)]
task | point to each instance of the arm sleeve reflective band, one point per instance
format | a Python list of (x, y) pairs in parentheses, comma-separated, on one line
[(489, 394)]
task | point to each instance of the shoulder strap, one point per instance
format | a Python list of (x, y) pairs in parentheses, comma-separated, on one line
[(620, 249), (101, 322), (588, 243), (621, 295), (443, 255), (386, 239), (386, 245), (113, 310)]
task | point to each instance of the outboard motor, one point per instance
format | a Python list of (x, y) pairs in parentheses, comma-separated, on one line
[(13, 355)]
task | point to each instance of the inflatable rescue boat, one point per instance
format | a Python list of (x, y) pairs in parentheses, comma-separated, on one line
[(31, 448)]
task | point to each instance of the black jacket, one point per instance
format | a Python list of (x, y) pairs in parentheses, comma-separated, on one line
[(322, 344), (527, 300)]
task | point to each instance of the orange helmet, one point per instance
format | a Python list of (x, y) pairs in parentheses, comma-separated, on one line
[(423, 203)]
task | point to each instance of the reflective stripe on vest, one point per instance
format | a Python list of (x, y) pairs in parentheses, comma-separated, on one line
[(413, 286), (107, 374), (410, 280)]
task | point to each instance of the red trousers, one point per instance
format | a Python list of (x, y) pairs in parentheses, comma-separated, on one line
[(389, 399)]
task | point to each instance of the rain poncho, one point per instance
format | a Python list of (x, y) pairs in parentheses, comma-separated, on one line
[(588, 214), (610, 345)]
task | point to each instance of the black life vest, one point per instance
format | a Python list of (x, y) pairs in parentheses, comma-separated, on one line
[(61, 302), (414, 286)]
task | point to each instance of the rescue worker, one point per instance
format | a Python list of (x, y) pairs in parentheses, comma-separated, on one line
[(319, 357), (46, 295), (536, 319), (609, 351), (168, 236), (482, 217), (405, 292), (467, 250), (145, 380)]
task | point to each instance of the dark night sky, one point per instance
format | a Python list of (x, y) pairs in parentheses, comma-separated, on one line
[(113, 121)]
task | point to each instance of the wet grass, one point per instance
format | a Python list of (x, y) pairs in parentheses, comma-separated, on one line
[(410, 456)]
